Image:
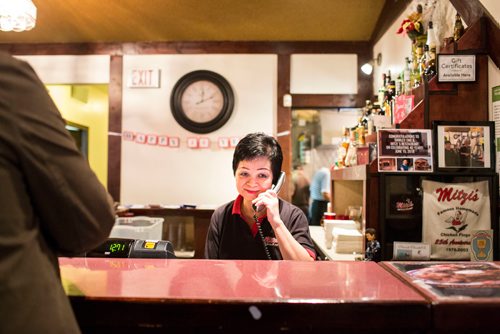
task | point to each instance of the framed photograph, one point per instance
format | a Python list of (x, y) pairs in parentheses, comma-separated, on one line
[(456, 68), (464, 146), (404, 150)]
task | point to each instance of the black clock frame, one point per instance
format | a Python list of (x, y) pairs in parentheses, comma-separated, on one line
[(181, 86)]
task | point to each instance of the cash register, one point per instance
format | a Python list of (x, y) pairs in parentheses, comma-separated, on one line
[(134, 248)]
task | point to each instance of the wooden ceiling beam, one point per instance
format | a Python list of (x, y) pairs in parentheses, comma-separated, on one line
[(186, 48), (391, 10)]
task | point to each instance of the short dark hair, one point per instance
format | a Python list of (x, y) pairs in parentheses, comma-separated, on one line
[(371, 231), (258, 144)]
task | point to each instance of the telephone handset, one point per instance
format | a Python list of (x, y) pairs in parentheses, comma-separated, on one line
[(276, 189)]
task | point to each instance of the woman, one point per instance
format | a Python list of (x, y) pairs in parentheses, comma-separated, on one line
[(234, 227)]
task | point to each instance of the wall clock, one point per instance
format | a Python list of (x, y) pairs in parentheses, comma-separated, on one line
[(202, 101)]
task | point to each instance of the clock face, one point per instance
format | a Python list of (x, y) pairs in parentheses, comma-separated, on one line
[(202, 101)]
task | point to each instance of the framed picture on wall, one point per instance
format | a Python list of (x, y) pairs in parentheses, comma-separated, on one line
[(464, 146), (404, 150)]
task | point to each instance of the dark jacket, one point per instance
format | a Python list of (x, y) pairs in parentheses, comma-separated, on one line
[(51, 203)]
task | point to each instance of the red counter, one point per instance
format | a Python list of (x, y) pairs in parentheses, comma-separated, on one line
[(465, 296), (240, 296)]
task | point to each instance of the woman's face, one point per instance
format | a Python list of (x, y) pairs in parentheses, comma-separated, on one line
[(253, 177)]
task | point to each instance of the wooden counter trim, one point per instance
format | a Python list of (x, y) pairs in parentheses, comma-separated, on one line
[(234, 317)]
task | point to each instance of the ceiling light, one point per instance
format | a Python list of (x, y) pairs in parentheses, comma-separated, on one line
[(17, 15), (367, 68)]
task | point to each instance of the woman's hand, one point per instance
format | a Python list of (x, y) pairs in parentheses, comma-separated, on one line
[(269, 199)]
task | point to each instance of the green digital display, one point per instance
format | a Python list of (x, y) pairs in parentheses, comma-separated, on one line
[(117, 247), (113, 247)]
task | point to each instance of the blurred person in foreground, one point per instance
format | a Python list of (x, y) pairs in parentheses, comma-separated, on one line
[(234, 227), (51, 204)]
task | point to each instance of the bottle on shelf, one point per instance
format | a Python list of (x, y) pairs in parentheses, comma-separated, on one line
[(430, 66), (432, 40), (407, 77), (381, 90), (415, 71), (399, 85), (361, 130), (343, 147), (458, 29)]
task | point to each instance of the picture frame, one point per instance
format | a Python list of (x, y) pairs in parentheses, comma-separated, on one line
[(404, 150), (456, 68), (464, 146)]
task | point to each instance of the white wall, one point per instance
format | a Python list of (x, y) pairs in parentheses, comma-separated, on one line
[(159, 175), (324, 74), (91, 69), (334, 121), (492, 6)]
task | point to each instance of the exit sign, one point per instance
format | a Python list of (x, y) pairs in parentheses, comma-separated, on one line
[(144, 78)]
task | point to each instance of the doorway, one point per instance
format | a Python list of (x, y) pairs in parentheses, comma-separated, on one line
[(316, 134)]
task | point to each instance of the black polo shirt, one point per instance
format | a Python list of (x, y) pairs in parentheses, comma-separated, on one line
[(230, 237)]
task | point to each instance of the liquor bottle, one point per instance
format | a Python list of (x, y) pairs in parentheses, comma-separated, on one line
[(399, 85), (430, 66), (458, 29), (381, 90), (343, 147), (423, 62), (407, 77), (415, 72), (432, 41), (420, 65)]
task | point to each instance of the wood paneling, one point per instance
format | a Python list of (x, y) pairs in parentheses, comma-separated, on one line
[(470, 10), (187, 48), (328, 100), (470, 103), (115, 126), (285, 122)]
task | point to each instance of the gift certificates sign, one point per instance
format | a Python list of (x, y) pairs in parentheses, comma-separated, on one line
[(456, 68)]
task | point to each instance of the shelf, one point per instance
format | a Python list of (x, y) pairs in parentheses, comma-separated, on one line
[(353, 173)]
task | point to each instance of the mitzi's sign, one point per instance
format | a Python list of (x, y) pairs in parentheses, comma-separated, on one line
[(451, 194), (450, 212)]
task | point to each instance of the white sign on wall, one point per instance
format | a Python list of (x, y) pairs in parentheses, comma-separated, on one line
[(144, 78), (456, 68)]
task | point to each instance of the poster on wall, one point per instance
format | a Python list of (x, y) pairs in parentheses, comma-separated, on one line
[(402, 107), (404, 150), (495, 93), (450, 214)]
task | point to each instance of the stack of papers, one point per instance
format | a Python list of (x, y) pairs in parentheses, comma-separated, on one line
[(347, 240), (349, 224)]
